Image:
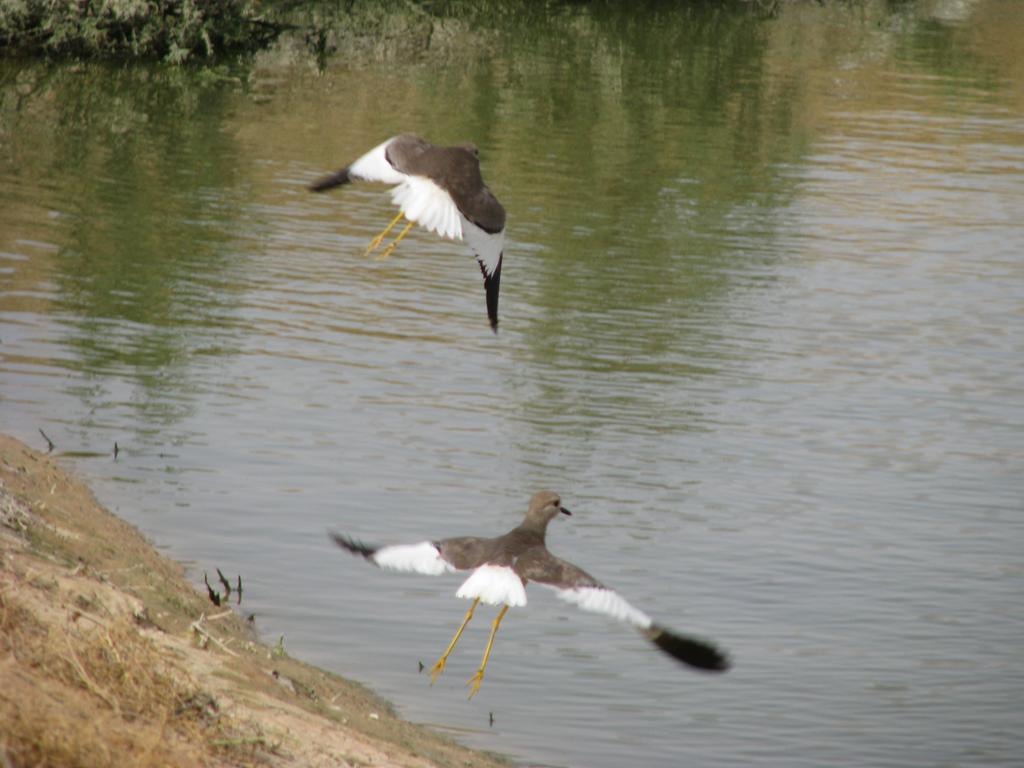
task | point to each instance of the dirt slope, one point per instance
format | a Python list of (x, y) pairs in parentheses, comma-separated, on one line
[(108, 656)]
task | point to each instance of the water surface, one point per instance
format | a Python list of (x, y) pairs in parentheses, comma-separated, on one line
[(761, 327)]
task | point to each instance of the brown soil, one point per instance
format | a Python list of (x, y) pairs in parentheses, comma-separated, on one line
[(108, 657)]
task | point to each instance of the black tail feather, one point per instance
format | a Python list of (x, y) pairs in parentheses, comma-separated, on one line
[(354, 546), (690, 651), (330, 181), (492, 283)]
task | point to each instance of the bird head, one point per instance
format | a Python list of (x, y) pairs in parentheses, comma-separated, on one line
[(544, 506)]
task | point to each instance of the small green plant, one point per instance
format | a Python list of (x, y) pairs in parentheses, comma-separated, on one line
[(278, 651)]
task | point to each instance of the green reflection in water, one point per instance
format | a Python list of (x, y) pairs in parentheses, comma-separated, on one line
[(644, 158), (135, 170)]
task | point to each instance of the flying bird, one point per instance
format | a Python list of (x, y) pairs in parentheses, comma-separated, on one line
[(500, 569), (441, 189)]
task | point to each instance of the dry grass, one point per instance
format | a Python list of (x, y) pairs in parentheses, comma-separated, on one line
[(95, 691)]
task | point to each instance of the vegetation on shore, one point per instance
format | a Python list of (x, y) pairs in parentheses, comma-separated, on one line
[(177, 31), (173, 30)]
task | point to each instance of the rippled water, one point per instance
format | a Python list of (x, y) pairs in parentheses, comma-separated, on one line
[(761, 326)]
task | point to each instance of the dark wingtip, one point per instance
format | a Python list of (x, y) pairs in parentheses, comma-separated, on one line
[(492, 284), (695, 653), (354, 546), (330, 181)]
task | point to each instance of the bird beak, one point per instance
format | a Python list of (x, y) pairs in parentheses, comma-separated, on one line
[(564, 511)]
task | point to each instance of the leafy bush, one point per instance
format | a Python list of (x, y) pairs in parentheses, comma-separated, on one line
[(174, 30)]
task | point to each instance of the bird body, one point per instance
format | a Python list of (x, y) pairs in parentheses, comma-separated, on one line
[(502, 566), (442, 190)]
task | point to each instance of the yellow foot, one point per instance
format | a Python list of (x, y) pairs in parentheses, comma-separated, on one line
[(437, 669), (380, 238), (375, 243), (405, 231), (474, 683), (386, 252)]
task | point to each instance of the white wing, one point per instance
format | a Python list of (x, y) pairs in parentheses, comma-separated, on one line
[(606, 601), (374, 166), (486, 247), (422, 201), (412, 558)]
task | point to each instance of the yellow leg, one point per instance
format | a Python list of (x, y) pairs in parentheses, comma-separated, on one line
[(387, 251), (475, 680), (380, 238), (438, 668)]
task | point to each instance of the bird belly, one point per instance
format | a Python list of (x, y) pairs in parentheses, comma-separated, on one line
[(494, 585)]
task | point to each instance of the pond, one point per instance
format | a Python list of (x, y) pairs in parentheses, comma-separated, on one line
[(761, 326)]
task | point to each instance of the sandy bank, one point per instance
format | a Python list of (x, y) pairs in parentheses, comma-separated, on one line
[(109, 657)]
